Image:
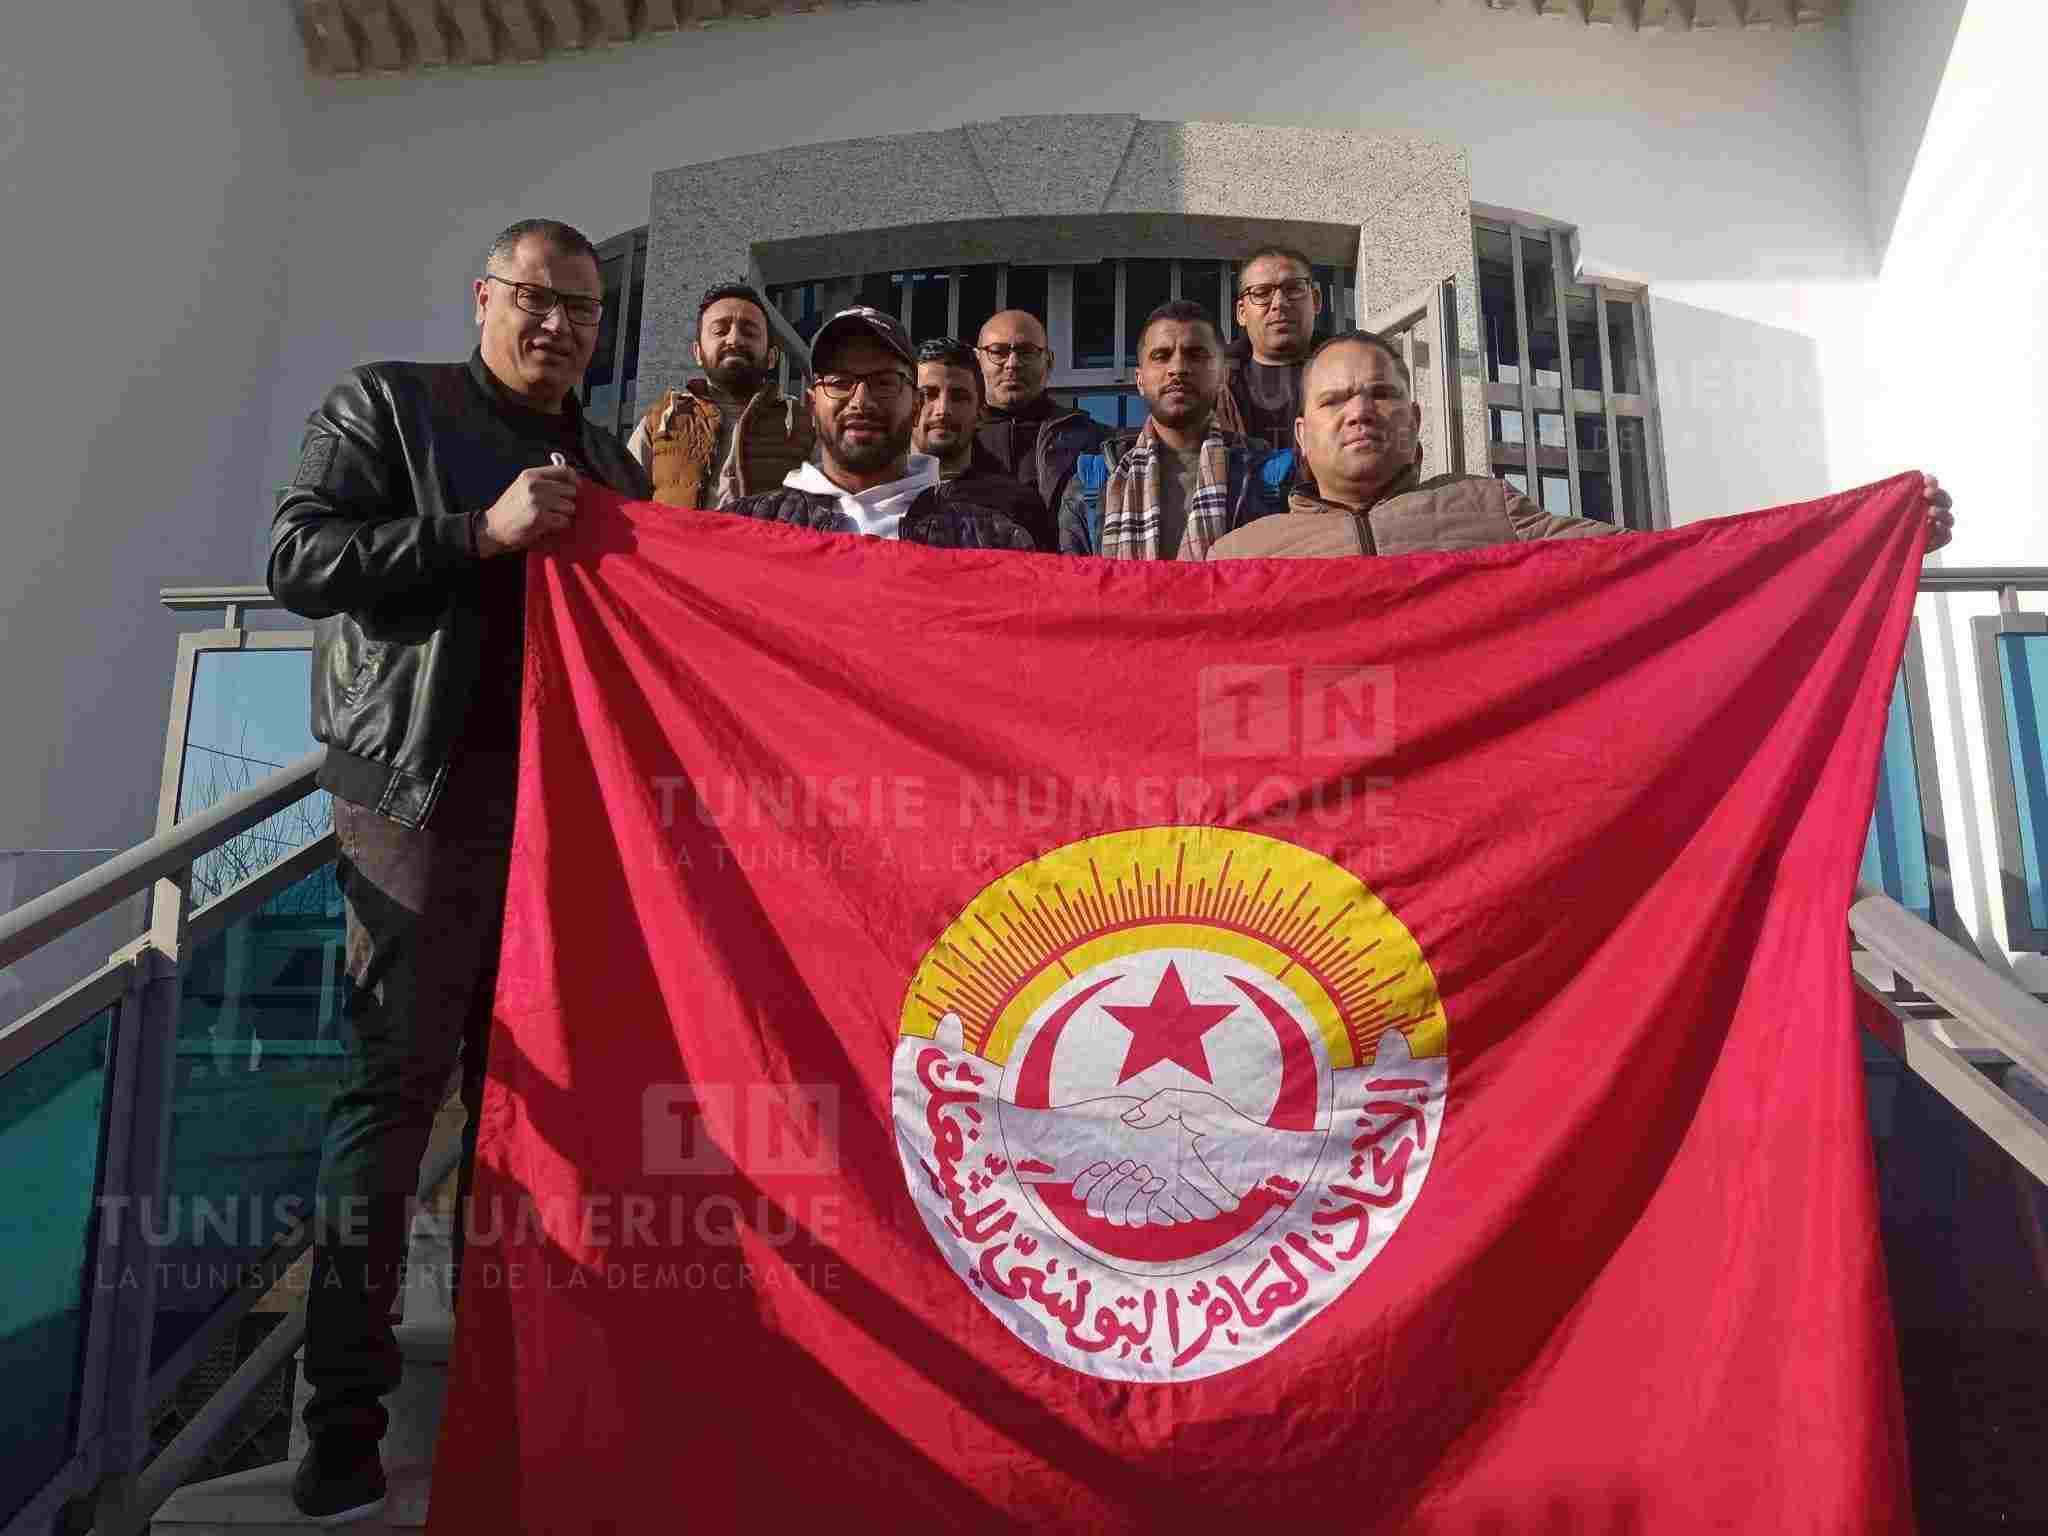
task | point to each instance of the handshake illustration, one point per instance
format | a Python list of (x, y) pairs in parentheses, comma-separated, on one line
[(1181, 1155)]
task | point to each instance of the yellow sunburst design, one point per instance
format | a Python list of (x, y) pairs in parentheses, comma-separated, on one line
[(1273, 904)]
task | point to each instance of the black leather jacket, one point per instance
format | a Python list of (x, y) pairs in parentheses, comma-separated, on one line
[(374, 540), (1040, 445), (948, 515)]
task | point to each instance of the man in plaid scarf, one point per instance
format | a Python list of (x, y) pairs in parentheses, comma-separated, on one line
[(1174, 488)]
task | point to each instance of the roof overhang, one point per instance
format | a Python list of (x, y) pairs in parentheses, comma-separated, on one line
[(346, 38), (1674, 15)]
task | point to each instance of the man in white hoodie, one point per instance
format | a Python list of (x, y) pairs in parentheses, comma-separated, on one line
[(864, 404)]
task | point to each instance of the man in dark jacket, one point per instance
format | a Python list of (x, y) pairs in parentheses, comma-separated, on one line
[(420, 487), (1172, 489), (867, 480), (1027, 432), (1277, 306), (948, 407)]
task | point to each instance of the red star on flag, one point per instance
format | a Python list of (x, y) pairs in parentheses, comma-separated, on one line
[(1169, 1028)]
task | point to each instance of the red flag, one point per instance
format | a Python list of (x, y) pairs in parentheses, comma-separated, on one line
[(1001, 1041)]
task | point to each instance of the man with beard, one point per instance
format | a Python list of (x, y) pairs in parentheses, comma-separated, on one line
[(1172, 489), (1277, 305), (948, 406), (731, 432), (867, 480), (1034, 438), (1356, 436)]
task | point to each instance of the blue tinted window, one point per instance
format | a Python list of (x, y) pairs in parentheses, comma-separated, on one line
[(249, 718), (1095, 314), (1102, 405), (260, 1053), (1895, 852), (2023, 679), (1123, 410)]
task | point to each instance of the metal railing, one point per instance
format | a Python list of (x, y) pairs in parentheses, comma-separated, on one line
[(1979, 1004), (116, 1388)]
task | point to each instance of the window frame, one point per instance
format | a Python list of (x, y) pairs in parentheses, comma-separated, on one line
[(632, 245), (2021, 935), (1568, 401), (1927, 782), (1339, 303)]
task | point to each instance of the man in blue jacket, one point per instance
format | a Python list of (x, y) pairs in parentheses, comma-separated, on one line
[(1177, 485)]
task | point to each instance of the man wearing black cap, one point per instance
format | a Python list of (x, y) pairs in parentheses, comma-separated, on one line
[(864, 403)]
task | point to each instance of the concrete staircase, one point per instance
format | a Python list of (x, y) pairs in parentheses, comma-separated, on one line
[(259, 1503)]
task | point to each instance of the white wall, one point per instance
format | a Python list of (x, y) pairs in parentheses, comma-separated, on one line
[(1901, 50), (1954, 359), (142, 198)]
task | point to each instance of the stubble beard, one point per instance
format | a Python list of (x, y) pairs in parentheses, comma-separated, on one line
[(1183, 412)]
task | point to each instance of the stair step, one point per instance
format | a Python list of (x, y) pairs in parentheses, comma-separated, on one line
[(259, 1503), (415, 1407)]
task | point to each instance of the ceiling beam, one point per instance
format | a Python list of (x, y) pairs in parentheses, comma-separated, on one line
[(331, 37), (565, 23), (614, 21), (382, 50), (522, 32), (425, 37), (479, 38)]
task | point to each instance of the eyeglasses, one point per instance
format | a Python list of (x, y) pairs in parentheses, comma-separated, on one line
[(883, 385), (1261, 295), (1001, 352), (535, 299)]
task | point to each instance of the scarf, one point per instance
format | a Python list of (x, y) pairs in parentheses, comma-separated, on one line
[(1130, 502)]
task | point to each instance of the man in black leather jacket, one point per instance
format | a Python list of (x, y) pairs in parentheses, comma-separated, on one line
[(867, 480), (1031, 435), (420, 486)]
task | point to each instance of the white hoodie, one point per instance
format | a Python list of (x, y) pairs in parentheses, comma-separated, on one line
[(877, 512)]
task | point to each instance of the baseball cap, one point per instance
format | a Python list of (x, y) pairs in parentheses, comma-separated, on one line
[(863, 321)]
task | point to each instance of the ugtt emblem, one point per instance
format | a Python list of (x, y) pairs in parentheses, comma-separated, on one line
[(1162, 1095)]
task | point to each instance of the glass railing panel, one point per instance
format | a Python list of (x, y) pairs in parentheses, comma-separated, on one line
[(249, 717), (2023, 683), (259, 1053), (50, 1148), (1895, 851)]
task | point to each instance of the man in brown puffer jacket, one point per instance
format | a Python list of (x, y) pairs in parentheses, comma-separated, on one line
[(731, 433), (1356, 436)]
